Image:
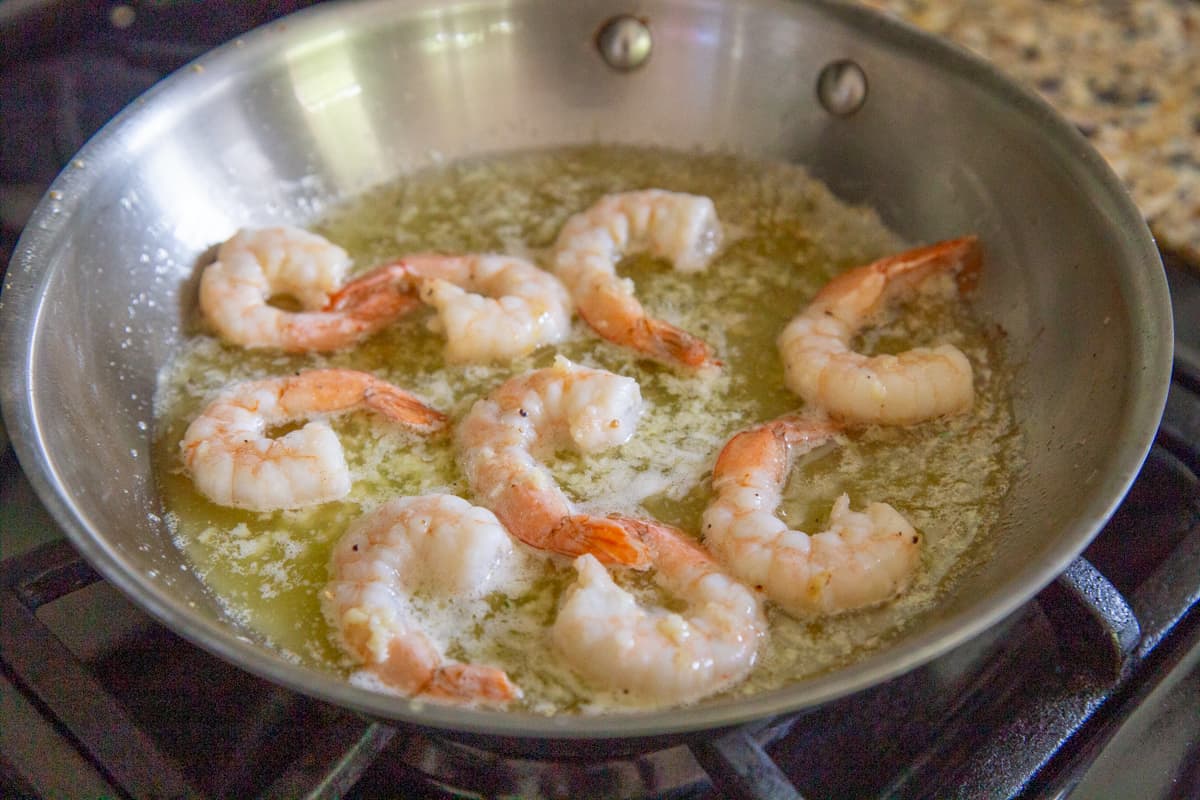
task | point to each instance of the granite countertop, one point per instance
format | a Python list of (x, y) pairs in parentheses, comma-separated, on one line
[(1126, 73)]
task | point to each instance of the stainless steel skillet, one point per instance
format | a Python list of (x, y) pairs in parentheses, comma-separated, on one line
[(345, 95)]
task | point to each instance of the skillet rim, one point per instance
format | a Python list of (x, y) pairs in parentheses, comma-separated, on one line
[(22, 304)]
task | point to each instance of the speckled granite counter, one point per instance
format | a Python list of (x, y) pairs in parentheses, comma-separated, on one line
[(1126, 73)]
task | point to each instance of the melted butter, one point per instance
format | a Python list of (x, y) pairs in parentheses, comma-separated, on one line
[(785, 237)]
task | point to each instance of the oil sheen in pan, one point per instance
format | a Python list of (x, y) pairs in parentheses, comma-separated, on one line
[(786, 235)]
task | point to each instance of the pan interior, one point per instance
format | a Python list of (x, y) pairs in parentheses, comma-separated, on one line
[(279, 126)]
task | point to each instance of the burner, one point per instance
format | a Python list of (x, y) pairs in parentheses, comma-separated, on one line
[(452, 769)]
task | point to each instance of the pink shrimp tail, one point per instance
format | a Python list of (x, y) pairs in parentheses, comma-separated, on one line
[(771, 444), (656, 339), (805, 432), (859, 293), (665, 342), (388, 287), (471, 683), (962, 256), (412, 666), (663, 540), (397, 404), (608, 539)]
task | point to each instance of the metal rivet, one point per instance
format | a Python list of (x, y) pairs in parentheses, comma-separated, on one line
[(625, 42), (842, 87), (122, 16)]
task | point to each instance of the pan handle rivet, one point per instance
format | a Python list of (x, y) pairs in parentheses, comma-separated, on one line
[(122, 16), (842, 87), (624, 42)]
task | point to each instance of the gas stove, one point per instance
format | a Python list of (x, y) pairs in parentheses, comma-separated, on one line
[(1088, 691)]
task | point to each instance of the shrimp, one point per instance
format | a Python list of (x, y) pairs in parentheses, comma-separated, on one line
[(654, 654), (587, 409), (438, 544), (491, 307), (234, 463), (862, 559), (256, 265), (903, 389), (682, 228)]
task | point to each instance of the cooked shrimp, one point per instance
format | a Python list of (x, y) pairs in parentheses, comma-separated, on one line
[(257, 265), (490, 307), (911, 387), (502, 436), (862, 559), (657, 655), (234, 463), (682, 228), (434, 544)]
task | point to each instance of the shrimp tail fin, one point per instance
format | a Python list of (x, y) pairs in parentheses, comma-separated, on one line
[(770, 448), (804, 432), (662, 540), (609, 540), (665, 342), (391, 280), (383, 307), (381, 296), (375, 300), (472, 683), (961, 257), (397, 404)]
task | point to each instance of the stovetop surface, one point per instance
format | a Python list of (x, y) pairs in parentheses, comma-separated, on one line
[(1028, 709)]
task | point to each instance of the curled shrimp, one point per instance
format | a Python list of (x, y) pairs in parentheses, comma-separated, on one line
[(862, 559), (682, 228), (255, 266), (437, 544), (490, 307), (911, 387), (503, 435), (233, 461), (654, 654)]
